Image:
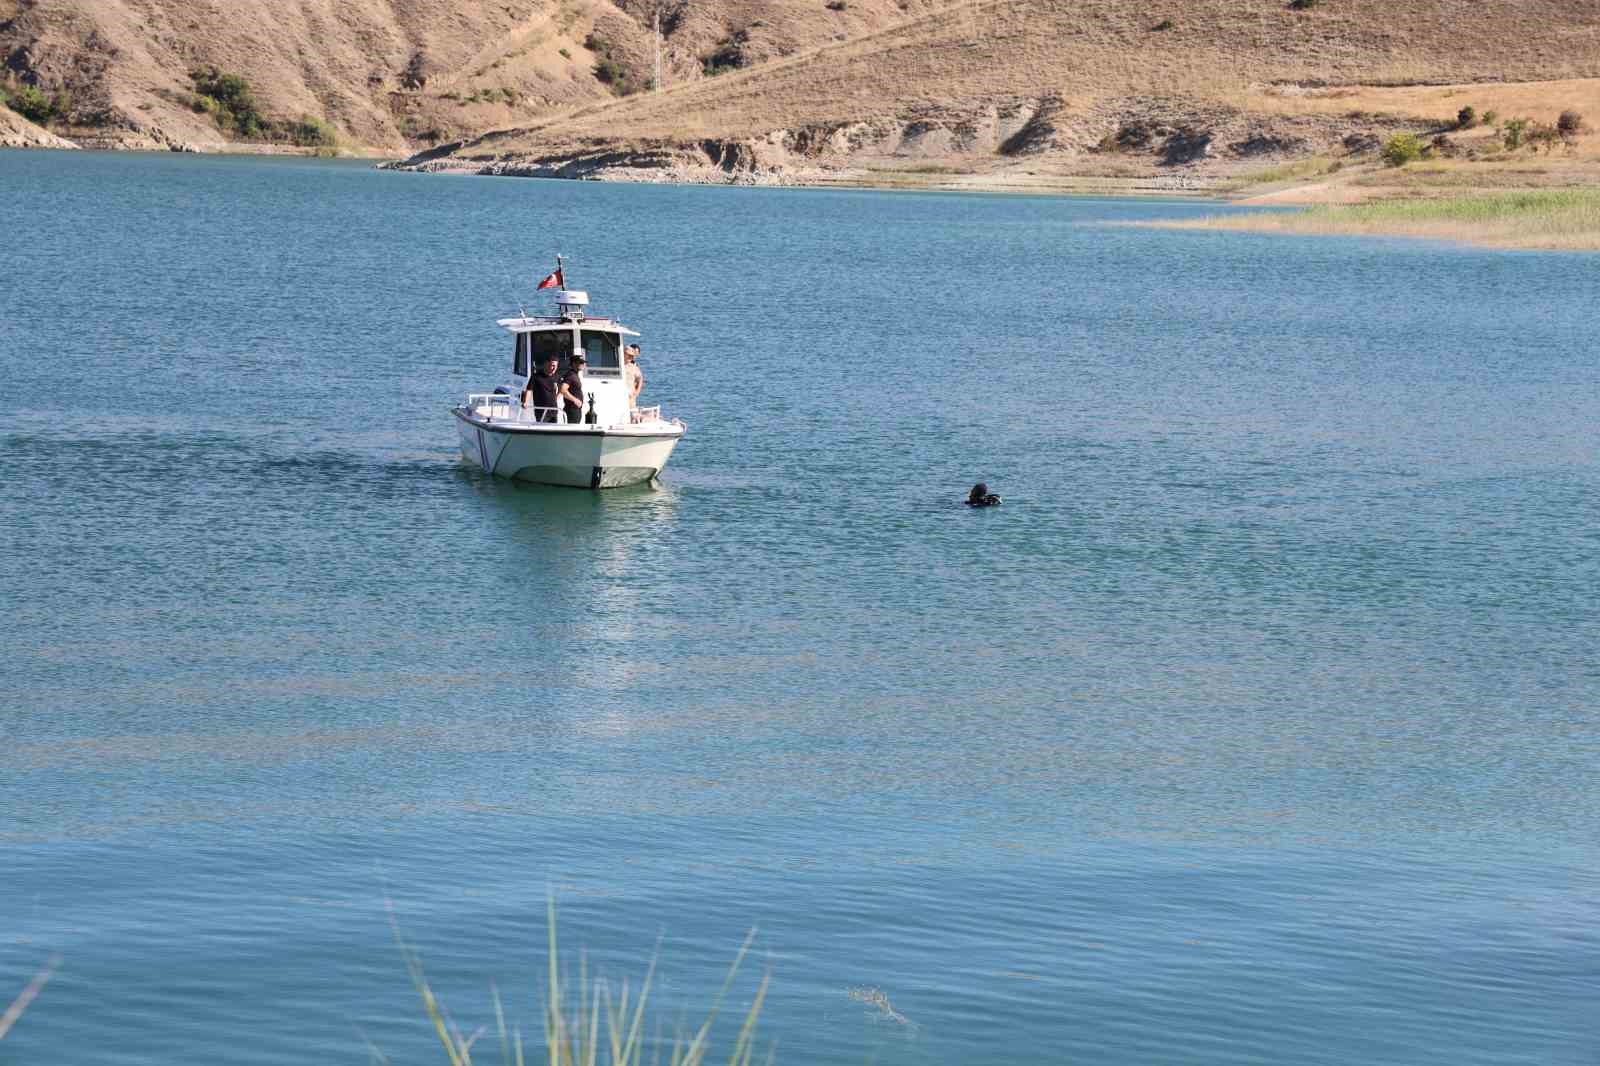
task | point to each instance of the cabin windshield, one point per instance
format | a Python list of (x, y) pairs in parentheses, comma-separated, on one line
[(602, 351), (532, 349)]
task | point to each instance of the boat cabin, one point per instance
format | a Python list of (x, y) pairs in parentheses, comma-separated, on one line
[(599, 340)]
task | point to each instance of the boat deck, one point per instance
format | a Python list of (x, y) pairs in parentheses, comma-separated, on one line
[(498, 411)]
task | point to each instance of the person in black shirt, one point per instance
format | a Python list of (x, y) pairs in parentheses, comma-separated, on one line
[(572, 391), (544, 391)]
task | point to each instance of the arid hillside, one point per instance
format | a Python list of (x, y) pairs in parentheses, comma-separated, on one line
[(1109, 87), (1172, 92), (386, 75)]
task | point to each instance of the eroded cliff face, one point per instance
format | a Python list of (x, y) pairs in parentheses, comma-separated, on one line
[(1165, 143)]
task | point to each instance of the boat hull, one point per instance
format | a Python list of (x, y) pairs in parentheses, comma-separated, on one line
[(574, 456)]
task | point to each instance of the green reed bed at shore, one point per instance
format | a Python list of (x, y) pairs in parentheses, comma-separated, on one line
[(1558, 219)]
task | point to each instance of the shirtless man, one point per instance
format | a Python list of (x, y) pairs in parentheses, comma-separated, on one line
[(635, 376)]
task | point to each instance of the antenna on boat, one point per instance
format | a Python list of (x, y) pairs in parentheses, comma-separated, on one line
[(569, 302), (517, 299)]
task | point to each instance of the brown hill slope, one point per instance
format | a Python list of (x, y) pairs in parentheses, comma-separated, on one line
[(1121, 83), (386, 74)]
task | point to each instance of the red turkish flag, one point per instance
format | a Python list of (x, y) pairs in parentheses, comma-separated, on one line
[(554, 281)]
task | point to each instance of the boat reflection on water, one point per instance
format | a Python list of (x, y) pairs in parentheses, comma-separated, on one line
[(580, 566)]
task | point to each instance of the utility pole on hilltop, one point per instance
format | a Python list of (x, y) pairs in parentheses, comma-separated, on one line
[(658, 47)]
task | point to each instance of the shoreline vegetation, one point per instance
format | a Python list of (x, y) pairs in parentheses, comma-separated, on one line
[(1499, 179), (1532, 205), (1524, 216), (1532, 219), (1512, 183)]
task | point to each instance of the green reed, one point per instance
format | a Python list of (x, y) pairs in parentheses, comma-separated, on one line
[(1533, 218), (586, 1024), (1533, 206), (29, 993)]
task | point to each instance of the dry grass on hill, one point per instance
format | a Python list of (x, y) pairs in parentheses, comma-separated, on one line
[(1481, 193), (1542, 100), (1080, 71), (1217, 50), (387, 75)]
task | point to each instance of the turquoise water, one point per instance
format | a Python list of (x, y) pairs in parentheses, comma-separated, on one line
[(1259, 725)]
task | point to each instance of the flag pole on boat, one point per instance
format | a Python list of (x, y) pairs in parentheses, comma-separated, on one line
[(558, 280)]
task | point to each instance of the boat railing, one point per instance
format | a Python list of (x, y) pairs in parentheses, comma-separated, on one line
[(647, 414), (491, 400), (537, 414), (503, 407)]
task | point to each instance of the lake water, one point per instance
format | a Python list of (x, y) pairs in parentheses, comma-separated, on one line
[(1258, 726)]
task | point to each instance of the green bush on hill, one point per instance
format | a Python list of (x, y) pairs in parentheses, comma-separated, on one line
[(1513, 132), (611, 72), (32, 104), (608, 68), (313, 132), (227, 97), (728, 55), (1401, 149)]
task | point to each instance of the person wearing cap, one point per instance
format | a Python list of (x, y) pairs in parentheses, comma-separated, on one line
[(635, 376), (572, 391)]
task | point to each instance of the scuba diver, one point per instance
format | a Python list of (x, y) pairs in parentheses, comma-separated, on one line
[(982, 497)]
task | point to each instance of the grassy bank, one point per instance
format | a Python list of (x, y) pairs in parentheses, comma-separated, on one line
[(1565, 219)]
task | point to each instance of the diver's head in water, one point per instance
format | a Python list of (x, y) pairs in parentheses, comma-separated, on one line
[(981, 496)]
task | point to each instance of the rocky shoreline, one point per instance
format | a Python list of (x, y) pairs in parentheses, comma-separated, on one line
[(629, 171), (1031, 144)]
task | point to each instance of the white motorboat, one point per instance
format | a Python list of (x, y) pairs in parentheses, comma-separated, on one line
[(613, 444)]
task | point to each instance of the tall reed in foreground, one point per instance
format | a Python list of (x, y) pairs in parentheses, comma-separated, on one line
[(586, 1025), (27, 996)]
